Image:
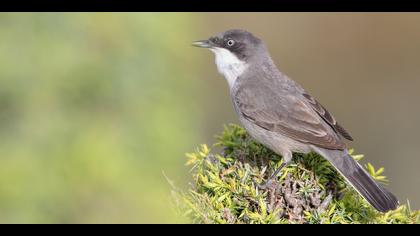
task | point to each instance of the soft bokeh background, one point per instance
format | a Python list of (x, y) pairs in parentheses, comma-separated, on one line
[(96, 108)]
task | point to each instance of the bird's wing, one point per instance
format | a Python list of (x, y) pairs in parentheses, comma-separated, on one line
[(287, 114), (327, 116)]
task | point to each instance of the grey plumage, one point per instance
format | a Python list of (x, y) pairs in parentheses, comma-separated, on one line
[(279, 113)]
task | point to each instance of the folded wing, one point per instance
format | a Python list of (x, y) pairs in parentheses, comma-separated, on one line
[(288, 114)]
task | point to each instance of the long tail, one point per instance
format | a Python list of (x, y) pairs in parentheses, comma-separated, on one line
[(357, 176)]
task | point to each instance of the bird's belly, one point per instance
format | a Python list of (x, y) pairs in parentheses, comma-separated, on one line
[(275, 141)]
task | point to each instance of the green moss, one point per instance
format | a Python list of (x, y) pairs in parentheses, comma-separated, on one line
[(225, 188)]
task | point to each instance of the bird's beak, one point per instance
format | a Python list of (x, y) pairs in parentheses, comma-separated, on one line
[(202, 44)]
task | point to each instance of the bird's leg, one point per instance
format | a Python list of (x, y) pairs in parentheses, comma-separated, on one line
[(287, 158), (283, 164), (268, 181)]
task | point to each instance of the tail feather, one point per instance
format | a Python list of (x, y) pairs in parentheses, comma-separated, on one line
[(357, 176)]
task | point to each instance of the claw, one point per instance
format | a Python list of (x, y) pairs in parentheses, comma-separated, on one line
[(267, 184)]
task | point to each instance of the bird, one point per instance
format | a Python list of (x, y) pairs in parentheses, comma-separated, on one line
[(278, 113)]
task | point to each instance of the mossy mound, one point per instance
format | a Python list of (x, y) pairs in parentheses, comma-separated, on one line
[(225, 188)]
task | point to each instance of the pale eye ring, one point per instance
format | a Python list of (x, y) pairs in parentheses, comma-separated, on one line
[(230, 42)]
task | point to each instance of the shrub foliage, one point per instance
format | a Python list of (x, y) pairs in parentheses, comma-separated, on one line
[(227, 188)]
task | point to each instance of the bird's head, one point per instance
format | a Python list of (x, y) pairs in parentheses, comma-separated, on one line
[(240, 43), (235, 51)]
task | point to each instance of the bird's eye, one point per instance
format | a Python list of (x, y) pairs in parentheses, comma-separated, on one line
[(230, 42)]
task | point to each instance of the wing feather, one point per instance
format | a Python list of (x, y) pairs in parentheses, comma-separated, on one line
[(288, 114), (327, 117)]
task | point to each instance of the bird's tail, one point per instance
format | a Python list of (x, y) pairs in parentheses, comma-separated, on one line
[(357, 176)]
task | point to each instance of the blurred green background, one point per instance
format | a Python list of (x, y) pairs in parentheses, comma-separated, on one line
[(96, 108)]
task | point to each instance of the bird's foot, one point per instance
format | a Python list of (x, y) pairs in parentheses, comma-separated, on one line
[(270, 181)]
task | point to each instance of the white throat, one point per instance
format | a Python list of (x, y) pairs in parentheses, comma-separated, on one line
[(229, 65)]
